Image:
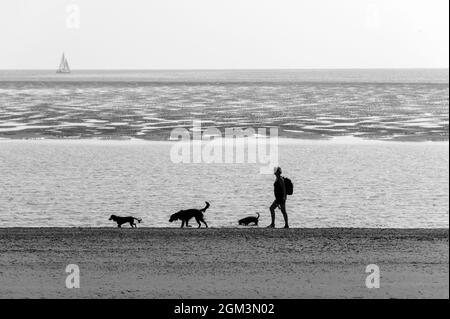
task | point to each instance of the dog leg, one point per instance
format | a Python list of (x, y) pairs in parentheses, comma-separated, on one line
[(205, 223), (182, 224)]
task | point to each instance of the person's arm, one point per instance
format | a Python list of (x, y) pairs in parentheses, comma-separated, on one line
[(283, 187)]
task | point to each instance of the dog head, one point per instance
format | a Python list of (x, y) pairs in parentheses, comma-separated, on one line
[(174, 217), (112, 217)]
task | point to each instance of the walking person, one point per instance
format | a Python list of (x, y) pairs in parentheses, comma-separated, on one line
[(279, 189)]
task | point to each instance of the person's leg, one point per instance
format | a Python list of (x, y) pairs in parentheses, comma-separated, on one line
[(272, 213), (285, 216)]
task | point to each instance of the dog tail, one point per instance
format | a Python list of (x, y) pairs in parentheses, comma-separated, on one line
[(258, 215), (138, 219), (205, 208)]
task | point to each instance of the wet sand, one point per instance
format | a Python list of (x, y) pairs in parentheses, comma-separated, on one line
[(223, 263), (400, 105)]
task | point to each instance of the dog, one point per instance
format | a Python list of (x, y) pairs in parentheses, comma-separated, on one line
[(123, 220), (248, 220), (186, 215)]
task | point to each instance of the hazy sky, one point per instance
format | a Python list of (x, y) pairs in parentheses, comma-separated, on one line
[(171, 34)]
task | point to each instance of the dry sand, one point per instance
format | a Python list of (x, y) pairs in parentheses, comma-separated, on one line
[(223, 263)]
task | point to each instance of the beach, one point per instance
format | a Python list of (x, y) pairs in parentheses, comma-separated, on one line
[(224, 263)]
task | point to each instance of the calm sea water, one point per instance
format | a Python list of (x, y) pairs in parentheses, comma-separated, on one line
[(81, 183), (80, 173)]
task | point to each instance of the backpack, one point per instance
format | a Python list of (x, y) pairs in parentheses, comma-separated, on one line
[(289, 186)]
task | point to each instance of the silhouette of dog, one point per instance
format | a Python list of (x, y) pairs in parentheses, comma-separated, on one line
[(186, 215), (123, 220), (248, 220)]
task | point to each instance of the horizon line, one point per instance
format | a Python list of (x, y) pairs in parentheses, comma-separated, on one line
[(232, 69)]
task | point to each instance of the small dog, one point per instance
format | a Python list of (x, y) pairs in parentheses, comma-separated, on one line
[(248, 220), (186, 215), (123, 220)]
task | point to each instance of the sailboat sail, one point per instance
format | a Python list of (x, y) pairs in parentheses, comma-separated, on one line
[(63, 65)]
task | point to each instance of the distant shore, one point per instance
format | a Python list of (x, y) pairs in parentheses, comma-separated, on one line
[(224, 263)]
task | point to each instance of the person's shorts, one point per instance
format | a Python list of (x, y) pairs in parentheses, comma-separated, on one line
[(278, 202)]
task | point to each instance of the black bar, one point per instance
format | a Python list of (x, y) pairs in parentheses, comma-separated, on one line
[(225, 308)]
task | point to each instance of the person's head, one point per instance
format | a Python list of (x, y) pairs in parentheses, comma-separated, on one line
[(277, 171)]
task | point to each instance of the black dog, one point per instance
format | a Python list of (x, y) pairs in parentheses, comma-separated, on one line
[(186, 215), (248, 220), (123, 220)]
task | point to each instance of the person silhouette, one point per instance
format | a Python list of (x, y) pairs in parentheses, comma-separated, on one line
[(279, 189)]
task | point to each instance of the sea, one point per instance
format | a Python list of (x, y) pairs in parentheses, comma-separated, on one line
[(364, 148)]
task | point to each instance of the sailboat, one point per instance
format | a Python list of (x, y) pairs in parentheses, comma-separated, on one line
[(63, 65)]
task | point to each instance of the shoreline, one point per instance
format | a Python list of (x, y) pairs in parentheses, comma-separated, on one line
[(348, 139), (231, 228), (224, 263)]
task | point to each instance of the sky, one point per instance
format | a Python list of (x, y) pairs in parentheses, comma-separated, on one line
[(224, 34)]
